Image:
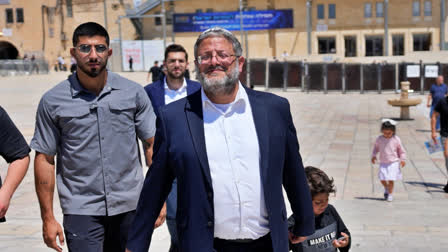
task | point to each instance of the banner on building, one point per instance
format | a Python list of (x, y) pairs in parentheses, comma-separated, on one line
[(252, 20), (143, 53)]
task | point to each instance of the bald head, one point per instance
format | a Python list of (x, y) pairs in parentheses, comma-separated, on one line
[(439, 80)]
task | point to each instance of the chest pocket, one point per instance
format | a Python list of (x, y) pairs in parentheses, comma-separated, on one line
[(122, 116), (75, 122)]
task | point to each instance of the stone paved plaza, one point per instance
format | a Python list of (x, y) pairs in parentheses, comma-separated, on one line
[(336, 133)]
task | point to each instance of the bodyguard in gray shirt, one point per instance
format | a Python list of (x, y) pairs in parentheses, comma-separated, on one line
[(90, 122)]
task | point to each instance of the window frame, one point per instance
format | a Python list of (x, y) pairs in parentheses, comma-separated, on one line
[(9, 16), (368, 11), (20, 18), (418, 37), (377, 8), (429, 13), (332, 11), (327, 40), (320, 11), (375, 39), (416, 8)]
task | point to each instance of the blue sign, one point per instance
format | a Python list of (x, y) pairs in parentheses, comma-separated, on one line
[(252, 20)]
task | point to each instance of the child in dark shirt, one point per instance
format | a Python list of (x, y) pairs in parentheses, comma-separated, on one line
[(331, 232)]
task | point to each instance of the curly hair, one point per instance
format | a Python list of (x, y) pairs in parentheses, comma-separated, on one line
[(318, 181)]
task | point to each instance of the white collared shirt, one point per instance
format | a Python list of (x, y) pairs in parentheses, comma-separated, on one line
[(174, 95), (234, 158)]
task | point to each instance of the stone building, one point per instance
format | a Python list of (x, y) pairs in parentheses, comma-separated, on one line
[(345, 30), (44, 28)]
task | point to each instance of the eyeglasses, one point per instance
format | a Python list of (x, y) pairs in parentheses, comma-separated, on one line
[(87, 48), (221, 57)]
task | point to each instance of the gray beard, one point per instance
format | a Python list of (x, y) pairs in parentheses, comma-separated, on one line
[(223, 86)]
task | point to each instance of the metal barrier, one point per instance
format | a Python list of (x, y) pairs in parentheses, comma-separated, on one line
[(23, 67), (341, 77)]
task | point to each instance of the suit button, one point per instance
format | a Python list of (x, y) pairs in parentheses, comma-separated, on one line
[(209, 195), (210, 224)]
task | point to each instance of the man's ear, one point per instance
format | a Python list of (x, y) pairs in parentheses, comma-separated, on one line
[(109, 52), (241, 60), (72, 52)]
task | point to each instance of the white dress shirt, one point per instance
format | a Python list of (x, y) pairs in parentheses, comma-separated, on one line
[(234, 158), (174, 95)]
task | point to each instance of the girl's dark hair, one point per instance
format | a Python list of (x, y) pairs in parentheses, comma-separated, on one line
[(318, 181), (388, 126)]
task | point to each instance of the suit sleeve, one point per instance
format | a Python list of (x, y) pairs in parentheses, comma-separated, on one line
[(296, 186), (155, 190)]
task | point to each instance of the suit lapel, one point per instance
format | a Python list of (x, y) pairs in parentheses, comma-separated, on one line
[(193, 111), (160, 92), (260, 115)]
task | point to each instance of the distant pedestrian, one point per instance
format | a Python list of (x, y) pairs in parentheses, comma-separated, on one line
[(72, 64), (154, 72), (437, 92), (392, 156), (331, 232), (34, 66), (131, 61), (61, 63)]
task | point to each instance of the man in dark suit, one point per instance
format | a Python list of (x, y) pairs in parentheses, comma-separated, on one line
[(231, 149), (162, 92)]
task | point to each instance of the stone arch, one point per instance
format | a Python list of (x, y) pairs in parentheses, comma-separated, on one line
[(8, 51)]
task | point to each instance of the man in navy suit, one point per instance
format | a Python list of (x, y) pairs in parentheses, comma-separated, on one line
[(231, 150), (162, 92)]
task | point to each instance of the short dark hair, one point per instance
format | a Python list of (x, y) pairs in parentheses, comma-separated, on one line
[(318, 181), (175, 48), (89, 29), (388, 126)]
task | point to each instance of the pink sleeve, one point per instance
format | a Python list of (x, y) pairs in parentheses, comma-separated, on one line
[(400, 150), (375, 147)]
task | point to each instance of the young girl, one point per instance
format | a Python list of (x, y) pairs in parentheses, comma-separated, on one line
[(331, 232), (392, 155)]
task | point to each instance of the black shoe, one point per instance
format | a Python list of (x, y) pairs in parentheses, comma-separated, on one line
[(445, 189)]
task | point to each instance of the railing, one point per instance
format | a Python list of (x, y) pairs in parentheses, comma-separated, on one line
[(23, 67), (340, 77)]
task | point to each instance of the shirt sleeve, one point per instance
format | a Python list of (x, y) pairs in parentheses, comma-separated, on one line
[(400, 150), (12, 143), (340, 227), (375, 147), (46, 133), (145, 119)]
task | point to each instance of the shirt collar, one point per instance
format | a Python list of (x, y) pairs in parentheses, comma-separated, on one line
[(77, 88), (181, 89), (241, 99)]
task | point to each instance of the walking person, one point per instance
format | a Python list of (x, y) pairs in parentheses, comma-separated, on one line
[(437, 92), (15, 151), (232, 150), (131, 62), (392, 157), (163, 92), (441, 110), (331, 233), (154, 72), (90, 123)]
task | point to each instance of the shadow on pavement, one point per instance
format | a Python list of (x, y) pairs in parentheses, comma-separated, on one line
[(426, 184), (423, 130)]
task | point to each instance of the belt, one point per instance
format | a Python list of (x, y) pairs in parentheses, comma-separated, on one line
[(219, 240)]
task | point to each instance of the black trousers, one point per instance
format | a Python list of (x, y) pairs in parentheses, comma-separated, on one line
[(85, 233), (263, 244)]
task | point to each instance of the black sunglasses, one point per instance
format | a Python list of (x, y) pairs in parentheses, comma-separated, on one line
[(87, 48)]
